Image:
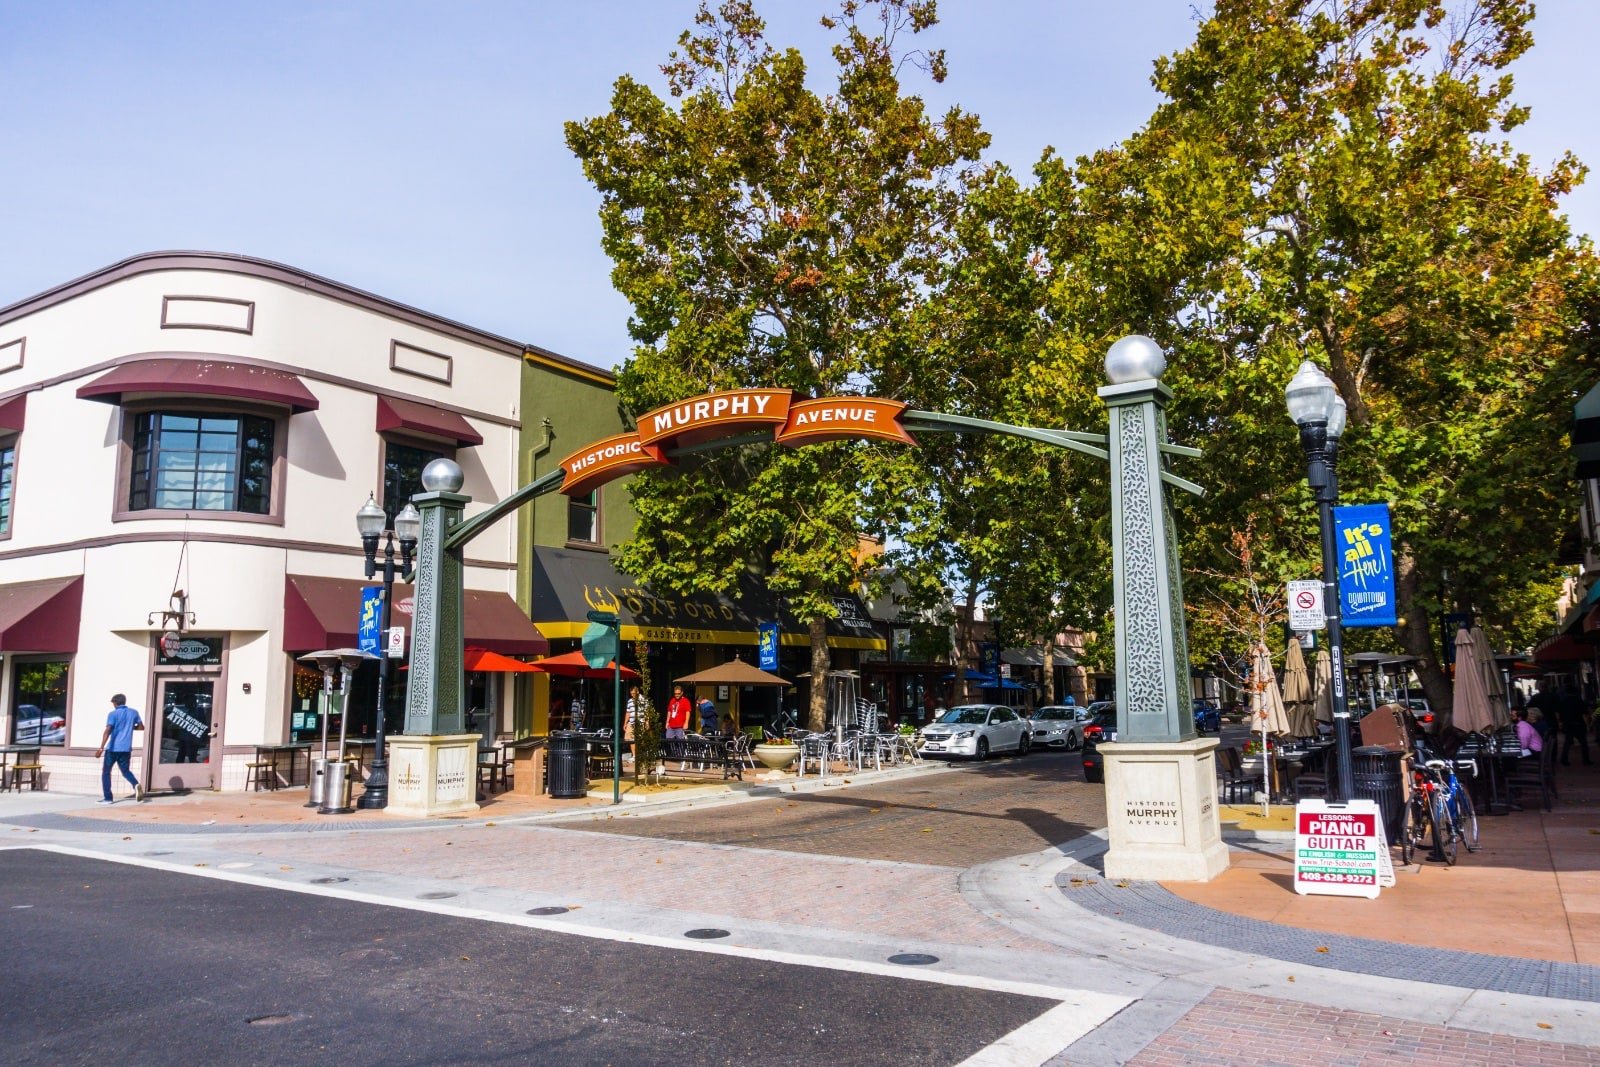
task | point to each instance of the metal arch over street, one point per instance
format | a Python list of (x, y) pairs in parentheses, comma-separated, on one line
[(739, 417)]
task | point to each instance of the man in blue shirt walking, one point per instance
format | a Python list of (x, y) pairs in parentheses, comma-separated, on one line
[(117, 746)]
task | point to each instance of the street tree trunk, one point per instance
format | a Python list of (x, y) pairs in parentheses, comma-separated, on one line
[(817, 717), (1416, 637)]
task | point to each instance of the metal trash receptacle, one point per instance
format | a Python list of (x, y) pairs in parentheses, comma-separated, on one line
[(336, 786), (568, 764), (1377, 773)]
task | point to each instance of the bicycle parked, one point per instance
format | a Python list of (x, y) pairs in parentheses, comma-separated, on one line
[(1440, 811)]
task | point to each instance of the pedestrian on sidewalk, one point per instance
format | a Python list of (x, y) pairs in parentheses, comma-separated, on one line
[(677, 714), (1575, 725), (116, 746)]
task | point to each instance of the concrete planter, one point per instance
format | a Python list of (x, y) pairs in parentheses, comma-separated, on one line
[(776, 757)]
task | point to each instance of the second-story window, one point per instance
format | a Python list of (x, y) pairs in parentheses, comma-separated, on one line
[(583, 518), (8, 479), (402, 473), (201, 461)]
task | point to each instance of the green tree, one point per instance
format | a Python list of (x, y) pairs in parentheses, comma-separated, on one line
[(770, 236), (1327, 182)]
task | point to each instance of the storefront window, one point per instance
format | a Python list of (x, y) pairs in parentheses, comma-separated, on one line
[(39, 702), (188, 461)]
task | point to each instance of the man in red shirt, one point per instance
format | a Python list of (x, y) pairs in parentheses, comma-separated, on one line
[(677, 714)]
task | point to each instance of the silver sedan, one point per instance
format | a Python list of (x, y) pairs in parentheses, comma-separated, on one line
[(1060, 726), (976, 730)]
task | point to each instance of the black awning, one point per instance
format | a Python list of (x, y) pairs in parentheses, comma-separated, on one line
[(569, 583)]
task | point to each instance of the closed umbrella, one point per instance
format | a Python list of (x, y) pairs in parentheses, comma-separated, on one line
[(1470, 703), (1494, 685), (1268, 706), (1297, 696), (1322, 686)]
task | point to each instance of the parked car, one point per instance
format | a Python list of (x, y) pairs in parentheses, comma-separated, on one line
[(976, 730), (1060, 726), (35, 727), (1207, 716), (1101, 727)]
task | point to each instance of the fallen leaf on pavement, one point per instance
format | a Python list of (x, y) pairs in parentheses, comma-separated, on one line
[(1322, 948), (1546, 1026)]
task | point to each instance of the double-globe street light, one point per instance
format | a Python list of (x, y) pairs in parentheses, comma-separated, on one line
[(373, 524), (1318, 409)]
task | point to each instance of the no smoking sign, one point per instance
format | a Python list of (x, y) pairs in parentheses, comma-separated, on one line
[(1305, 606)]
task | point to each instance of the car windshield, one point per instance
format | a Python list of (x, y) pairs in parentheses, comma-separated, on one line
[(1054, 713), (966, 716)]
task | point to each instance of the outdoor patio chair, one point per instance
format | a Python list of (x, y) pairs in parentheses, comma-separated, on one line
[(1233, 786), (814, 751), (1535, 772)]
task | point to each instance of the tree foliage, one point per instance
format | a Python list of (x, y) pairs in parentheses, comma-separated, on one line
[(767, 235)]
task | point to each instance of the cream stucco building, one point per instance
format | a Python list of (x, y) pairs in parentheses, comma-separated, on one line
[(184, 441)]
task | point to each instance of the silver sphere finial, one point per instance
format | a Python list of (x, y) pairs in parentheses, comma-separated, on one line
[(1135, 358), (442, 476)]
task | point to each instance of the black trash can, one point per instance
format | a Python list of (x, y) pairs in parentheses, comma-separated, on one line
[(1377, 773), (568, 765)]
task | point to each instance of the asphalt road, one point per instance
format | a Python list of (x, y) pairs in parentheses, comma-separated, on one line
[(973, 814), (109, 963)]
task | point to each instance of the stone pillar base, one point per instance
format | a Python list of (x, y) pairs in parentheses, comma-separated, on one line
[(1161, 807), (433, 774)]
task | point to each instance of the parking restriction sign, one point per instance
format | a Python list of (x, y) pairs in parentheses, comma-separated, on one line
[(1305, 606)]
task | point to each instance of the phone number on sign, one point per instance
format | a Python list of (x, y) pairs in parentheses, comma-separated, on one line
[(1348, 879)]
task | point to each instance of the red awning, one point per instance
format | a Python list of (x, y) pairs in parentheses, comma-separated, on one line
[(175, 376), (321, 613), (12, 412), (41, 616), (1562, 648), (575, 665), (414, 417)]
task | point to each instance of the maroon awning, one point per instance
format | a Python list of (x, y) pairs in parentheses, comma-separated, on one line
[(174, 376), (321, 613), (41, 616), (1563, 648), (414, 417), (12, 413)]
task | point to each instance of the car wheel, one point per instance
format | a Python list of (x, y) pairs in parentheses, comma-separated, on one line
[(982, 752), (1024, 744), (1094, 776), (1074, 741)]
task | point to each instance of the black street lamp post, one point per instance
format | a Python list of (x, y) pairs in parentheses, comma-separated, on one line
[(1318, 409), (373, 525)]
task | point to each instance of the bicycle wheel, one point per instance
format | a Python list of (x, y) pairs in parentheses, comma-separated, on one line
[(1467, 819), (1445, 835), (1409, 831)]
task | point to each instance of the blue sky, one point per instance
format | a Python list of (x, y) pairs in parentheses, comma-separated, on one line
[(415, 149)]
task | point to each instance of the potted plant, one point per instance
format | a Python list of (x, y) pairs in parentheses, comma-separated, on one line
[(776, 753)]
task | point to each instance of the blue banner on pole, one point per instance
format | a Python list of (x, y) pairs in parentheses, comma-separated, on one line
[(767, 634), (370, 621), (989, 658), (1364, 549)]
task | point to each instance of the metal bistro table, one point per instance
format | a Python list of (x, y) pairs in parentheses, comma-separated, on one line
[(6, 752)]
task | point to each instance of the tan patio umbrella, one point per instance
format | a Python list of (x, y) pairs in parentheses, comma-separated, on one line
[(1494, 685), (1470, 704), (1322, 686), (1297, 696), (1267, 704), (733, 672)]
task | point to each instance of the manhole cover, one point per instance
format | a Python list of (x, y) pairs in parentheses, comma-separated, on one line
[(271, 1020), (913, 959), (330, 880), (548, 911), (440, 894), (706, 934)]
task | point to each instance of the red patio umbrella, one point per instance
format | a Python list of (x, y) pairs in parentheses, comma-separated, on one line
[(481, 659), (573, 665)]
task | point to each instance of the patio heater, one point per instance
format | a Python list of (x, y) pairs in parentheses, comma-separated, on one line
[(333, 796), (371, 523), (1318, 409)]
